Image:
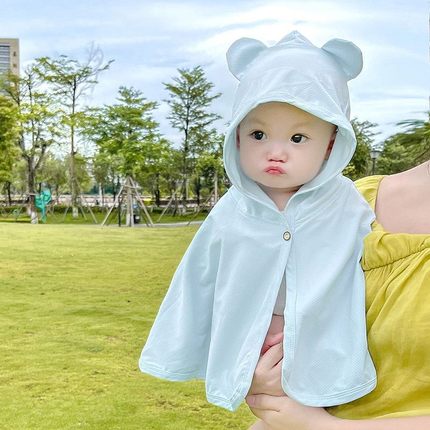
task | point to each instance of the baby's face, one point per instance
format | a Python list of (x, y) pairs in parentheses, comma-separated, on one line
[(282, 147)]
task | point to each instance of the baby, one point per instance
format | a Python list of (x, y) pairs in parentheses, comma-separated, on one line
[(281, 160), (278, 258)]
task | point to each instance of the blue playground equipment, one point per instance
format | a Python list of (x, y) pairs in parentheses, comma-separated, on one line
[(42, 200)]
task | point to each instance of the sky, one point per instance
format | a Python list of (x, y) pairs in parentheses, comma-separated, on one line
[(150, 40)]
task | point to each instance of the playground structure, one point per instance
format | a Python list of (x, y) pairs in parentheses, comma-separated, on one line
[(130, 191), (41, 201), (173, 203), (81, 204)]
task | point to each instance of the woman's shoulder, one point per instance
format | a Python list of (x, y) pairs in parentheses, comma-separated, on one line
[(368, 187)]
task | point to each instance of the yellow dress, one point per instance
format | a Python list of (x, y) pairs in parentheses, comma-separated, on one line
[(397, 270)]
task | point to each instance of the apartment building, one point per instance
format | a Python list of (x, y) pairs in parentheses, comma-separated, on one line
[(9, 55)]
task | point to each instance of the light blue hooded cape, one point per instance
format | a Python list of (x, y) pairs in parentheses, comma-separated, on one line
[(214, 318)]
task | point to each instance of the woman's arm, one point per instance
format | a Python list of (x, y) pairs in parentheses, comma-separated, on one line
[(283, 413), (279, 412)]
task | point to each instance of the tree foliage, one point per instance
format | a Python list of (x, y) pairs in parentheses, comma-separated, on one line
[(128, 131), (54, 174), (209, 170), (190, 96), (45, 107), (71, 80), (406, 149), (106, 171), (37, 119), (9, 135), (82, 171), (360, 164)]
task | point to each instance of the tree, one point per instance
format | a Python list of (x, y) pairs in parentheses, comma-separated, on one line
[(38, 122), (9, 135), (209, 172), (81, 170), (189, 99), (155, 167), (106, 172), (209, 167), (71, 81), (128, 131), (360, 162), (407, 149), (125, 129), (170, 175)]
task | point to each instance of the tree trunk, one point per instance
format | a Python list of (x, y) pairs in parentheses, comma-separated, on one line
[(184, 190), (102, 195), (31, 208), (198, 188), (115, 188), (184, 193), (73, 180), (129, 220), (157, 198), (57, 194), (9, 197), (176, 206), (157, 191)]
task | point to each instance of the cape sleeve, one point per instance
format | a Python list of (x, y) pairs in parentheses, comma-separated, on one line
[(178, 343)]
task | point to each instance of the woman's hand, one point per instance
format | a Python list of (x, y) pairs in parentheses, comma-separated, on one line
[(267, 375), (283, 413)]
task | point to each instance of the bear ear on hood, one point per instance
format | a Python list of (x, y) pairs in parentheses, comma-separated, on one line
[(241, 53), (347, 55)]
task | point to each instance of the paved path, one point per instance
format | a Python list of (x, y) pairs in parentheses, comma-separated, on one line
[(162, 225), (173, 224)]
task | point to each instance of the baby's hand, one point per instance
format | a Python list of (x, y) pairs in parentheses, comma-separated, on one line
[(275, 334), (267, 374)]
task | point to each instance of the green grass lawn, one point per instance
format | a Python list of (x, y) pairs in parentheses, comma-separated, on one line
[(76, 305)]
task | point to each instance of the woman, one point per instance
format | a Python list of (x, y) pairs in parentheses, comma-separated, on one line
[(396, 262)]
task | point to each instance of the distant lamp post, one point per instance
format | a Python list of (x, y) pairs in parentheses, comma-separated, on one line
[(374, 155)]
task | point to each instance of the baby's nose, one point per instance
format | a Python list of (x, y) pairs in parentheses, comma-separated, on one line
[(277, 152)]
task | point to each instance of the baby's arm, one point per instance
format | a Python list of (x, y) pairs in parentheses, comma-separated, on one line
[(275, 333), (270, 363)]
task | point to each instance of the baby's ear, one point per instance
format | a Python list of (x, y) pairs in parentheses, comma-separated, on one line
[(348, 56), (241, 53)]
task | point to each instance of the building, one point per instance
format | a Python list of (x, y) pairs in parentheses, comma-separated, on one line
[(9, 55)]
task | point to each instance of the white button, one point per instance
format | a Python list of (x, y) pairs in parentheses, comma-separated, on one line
[(287, 235)]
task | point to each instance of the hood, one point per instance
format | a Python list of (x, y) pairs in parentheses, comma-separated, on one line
[(293, 71)]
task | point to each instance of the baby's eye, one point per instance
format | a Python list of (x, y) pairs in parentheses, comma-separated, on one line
[(298, 138), (258, 135)]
